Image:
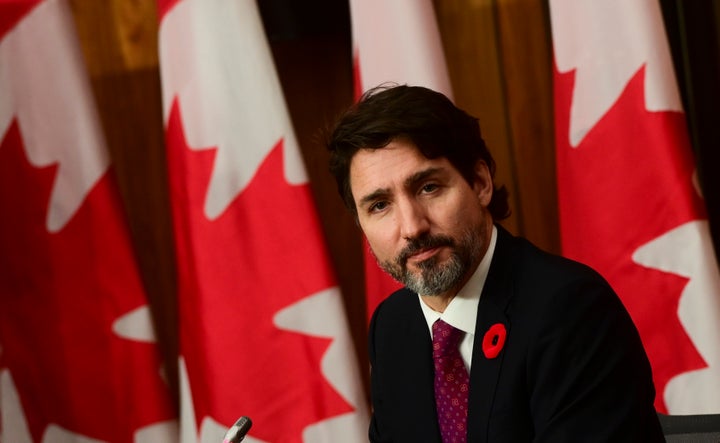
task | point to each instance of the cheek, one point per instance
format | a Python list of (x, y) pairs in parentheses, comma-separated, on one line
[(459, 213), (381, 241)]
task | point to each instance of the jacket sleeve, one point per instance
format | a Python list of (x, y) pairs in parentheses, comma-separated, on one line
[(374, 432), (589, 378)]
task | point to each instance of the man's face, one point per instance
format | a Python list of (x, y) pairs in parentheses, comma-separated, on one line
[(426, 225)]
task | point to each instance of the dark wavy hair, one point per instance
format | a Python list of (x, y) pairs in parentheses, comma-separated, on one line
[(426, 118)]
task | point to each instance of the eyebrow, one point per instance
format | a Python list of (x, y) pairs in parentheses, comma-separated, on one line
[(421, 175), (408, 183)]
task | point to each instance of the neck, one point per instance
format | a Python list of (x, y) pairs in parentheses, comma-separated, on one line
[(438, 303)]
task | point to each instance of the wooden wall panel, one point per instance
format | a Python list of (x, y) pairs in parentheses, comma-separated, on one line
[(470, 40), (525, 45), (498, 57)]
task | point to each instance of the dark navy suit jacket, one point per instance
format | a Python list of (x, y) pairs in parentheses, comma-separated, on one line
[(572, 369)]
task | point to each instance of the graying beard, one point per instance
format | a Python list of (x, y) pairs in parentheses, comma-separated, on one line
[(433, 281)]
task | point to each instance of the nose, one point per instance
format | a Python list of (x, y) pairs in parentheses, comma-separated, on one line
[(413, 220)]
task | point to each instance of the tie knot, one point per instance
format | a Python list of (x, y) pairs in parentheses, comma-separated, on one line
[(445, 338)]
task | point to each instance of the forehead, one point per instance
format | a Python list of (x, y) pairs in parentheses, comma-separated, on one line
[(388, 167)]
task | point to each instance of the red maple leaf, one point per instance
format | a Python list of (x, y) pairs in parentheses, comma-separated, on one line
[(59, 296), (12, 11), (263, 254), (164, 6), (627, 183)]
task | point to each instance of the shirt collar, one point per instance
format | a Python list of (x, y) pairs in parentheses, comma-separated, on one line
[(461, 312)]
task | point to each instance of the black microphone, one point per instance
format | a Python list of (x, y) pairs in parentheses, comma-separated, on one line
[(238, 431)]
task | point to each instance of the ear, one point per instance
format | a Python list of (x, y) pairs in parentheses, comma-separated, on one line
[(483, 184)]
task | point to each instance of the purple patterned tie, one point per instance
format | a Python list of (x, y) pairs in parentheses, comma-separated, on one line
[(452, 383)]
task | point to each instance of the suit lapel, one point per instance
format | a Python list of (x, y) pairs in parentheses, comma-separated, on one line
[(491, 310), (415, 359)]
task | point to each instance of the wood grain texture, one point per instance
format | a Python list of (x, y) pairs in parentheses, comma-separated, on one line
[(498, 56), (525, 45), (470, 40)]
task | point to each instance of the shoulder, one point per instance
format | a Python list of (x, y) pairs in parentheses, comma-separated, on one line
[(536, 263), (397, 325), (563, 301), (527, 268), (399, 307), (543, 290)]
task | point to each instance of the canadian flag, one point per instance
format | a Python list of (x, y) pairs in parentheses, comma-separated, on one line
[(263, 331), (394, 42), (629, 201), (78, 358)]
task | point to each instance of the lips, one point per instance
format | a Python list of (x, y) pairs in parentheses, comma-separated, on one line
[(418, 250), (423, 254)]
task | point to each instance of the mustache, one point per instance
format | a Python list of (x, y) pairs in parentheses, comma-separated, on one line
[(416, 245)]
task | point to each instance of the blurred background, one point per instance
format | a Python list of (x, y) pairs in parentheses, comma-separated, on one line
[(499, 59)]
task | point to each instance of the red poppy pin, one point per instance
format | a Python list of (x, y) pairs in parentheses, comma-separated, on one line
[(494, 340)]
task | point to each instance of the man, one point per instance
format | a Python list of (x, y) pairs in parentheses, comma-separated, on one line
[(491, 340)]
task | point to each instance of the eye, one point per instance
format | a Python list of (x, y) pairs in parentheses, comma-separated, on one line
[(429, 188), (378, 206)]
